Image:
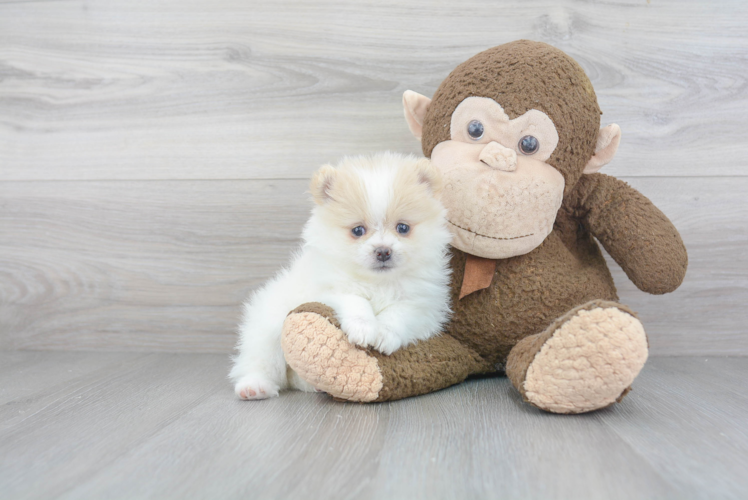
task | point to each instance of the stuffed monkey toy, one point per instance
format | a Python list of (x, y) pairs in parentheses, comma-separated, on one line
[(515, 132)]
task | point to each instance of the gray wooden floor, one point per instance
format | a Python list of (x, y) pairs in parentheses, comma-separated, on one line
[(155, 425)]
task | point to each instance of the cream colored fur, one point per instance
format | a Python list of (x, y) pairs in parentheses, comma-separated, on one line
[(380, 304)]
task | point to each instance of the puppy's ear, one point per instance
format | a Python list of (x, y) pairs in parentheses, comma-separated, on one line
[(321, 185), (429, 175)]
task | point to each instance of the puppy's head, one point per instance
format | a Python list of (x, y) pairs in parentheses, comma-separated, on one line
[(378, 214)]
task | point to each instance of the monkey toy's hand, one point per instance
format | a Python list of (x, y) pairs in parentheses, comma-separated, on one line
[(639, 237)]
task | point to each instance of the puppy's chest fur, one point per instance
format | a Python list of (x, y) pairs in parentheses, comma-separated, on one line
[(379, 295)]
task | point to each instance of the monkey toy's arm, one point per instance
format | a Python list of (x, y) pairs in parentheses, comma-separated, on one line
[(639, 237)]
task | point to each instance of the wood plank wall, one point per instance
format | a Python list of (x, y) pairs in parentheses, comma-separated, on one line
[(154, 154)]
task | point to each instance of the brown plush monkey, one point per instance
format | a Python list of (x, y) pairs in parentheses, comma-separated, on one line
[(516, 133)]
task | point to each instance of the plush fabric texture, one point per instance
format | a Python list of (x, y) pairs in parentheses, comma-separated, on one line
[(528, 292), (608, 139), (317, 308), (617, 215), (521, 76), (584, 361), (427, 366), (588, 362), (498, 219), (556, 304), (320, 353), (478, 274)]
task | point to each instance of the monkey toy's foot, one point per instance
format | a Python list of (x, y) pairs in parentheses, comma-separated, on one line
[(584, 361), (319, 352)]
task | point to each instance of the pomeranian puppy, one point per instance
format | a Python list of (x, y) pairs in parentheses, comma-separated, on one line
[(375, 250)]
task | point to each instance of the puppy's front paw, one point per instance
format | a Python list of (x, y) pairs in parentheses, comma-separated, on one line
[(387, 341), (370, 333), (256, 387), (359, 330)]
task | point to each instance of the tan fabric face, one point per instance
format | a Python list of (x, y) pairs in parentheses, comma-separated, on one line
[(522, 76), (500, 202), (500, 129), (505, 210), (499, 157)]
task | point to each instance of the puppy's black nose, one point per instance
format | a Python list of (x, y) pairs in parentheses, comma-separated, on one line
[(383, 253)]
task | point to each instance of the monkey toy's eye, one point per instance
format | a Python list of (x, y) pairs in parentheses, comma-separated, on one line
[(475, 130), (403, 228), (528, 145), (358, 231)]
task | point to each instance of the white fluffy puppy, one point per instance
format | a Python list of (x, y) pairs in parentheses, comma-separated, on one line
[(375, 250)]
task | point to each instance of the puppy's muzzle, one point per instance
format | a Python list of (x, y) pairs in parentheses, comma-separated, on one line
[(383, 253)]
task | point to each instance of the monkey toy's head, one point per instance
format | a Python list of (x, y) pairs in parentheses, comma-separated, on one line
[(512, 130)]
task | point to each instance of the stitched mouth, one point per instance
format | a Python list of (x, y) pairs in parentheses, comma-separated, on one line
[(486, 236)]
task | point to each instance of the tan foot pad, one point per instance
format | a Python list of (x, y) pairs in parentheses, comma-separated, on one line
[(588, 362), (320, 353)]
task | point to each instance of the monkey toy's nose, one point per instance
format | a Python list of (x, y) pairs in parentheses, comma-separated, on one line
[(383, 253), (499, 157)]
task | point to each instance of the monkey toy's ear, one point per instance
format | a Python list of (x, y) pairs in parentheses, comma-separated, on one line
[(415, 106), (608, 140)]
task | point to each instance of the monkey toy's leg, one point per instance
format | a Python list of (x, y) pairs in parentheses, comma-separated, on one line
[(319, 352), (586, 360)]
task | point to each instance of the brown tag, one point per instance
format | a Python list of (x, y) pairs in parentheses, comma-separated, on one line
[(478, 274)]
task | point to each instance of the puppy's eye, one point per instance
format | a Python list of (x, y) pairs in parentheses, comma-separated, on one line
[(403, 228), (358, 231), (475, 130), (528, 145)]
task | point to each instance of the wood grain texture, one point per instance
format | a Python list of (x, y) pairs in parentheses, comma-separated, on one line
[(139, 265), (665, 390), (82, 426), (153, 153), (168, 426), (30, 372), (232, 89), (165, 265)]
